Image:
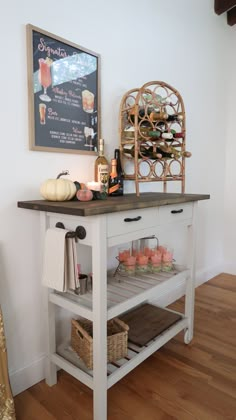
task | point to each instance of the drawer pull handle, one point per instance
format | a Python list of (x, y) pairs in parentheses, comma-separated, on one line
[(177, 211), (135, 219)]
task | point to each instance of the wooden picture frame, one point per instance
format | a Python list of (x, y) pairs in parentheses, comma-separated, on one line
[(64, 94)]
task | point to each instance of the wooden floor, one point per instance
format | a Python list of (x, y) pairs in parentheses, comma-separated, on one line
[(181, 382)]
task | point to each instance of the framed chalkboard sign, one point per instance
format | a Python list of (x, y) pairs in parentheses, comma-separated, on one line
[(64, 94)]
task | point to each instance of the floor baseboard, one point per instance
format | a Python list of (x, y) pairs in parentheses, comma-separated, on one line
[(28, 376)]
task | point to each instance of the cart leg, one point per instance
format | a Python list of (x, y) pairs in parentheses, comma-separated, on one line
[(190, 292), (50, 368), (49, 314), (99, 261)]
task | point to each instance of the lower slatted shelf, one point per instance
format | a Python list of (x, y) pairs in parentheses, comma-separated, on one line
[(67, 359)]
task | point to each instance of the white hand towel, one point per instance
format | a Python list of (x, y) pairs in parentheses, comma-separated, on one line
[(60, 261), (71, 274)]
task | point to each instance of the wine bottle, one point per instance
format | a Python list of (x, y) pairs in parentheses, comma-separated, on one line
[(175, 117), (172, 135), (120, 173), (144, 114), (153, 133), (114, 186), (177, 135), (148, 152), (156, 152), (174, 152), (156, 134), (167, 136), (149, 132), (101, 168), (157, 116)]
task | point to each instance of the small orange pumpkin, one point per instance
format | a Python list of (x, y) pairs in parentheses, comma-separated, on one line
[(84, 195)]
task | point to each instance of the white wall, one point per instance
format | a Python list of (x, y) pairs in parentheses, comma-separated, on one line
[(230, 179), (183, 43)]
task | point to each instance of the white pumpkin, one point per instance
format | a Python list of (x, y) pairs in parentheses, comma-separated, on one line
[(58, 189)]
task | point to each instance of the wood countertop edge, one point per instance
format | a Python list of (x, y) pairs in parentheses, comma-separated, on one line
[(99, 207)]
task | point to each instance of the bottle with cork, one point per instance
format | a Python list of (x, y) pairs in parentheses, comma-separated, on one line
[(116, 176), (101, 168)]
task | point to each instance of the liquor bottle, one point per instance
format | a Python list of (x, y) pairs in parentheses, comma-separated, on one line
[(101, 168), (114, 185), (120, 173)]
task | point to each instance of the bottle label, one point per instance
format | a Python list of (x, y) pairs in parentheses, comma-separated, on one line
[(103, 176), (113, 188)]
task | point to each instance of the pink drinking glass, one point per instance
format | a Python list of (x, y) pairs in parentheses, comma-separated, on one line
[(45, 78), (167, 260)]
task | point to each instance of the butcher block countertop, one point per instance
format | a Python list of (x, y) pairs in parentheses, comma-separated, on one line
[(111, 204)]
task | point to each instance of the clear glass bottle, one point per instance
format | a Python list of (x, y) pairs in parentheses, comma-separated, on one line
[(101, 168)]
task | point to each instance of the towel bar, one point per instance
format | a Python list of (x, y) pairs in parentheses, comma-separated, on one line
[(80, 231)]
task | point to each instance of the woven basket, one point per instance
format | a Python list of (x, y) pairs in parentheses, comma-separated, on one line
[(82, 340)]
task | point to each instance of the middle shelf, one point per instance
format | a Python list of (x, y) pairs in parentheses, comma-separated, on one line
[(123, 292)]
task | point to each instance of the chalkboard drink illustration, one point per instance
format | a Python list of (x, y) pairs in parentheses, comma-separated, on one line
[(65, 92), (45, 78)]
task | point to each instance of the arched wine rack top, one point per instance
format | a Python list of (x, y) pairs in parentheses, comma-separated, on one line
[(152, 129), (150, 94)]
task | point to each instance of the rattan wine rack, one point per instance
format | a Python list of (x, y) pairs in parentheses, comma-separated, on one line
[(153, 135)]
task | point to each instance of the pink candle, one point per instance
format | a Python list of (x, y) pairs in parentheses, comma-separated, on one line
[(95, 186)]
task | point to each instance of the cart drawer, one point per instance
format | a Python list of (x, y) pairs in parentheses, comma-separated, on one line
[(131, 221), (175, 213)]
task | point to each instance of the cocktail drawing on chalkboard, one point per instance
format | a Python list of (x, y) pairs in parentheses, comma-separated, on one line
[(42, 113), (87, 101), (86, 135), (92, 135), (45, 78)]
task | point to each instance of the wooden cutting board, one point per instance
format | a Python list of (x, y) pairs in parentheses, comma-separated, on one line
[(147, 322)]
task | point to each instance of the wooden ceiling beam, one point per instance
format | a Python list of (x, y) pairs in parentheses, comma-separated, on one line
[(231, 16), (222, 6)]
